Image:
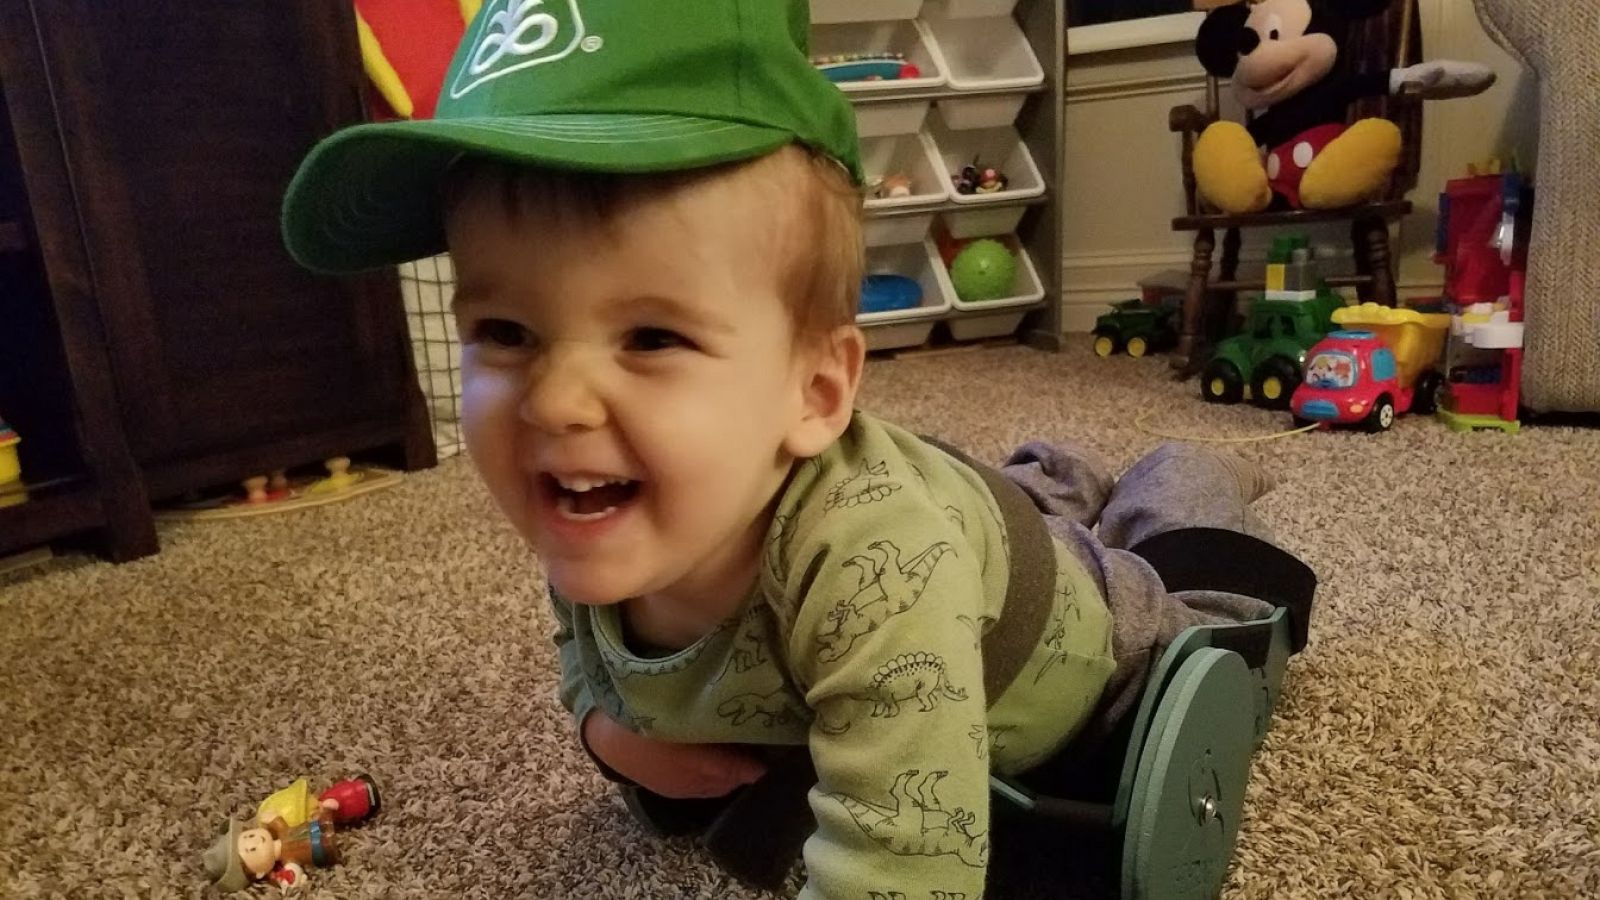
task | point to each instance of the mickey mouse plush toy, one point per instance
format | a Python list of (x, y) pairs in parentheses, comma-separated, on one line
[(1282, 56)]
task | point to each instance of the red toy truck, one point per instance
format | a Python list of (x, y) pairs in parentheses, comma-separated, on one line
[(1372, 375)]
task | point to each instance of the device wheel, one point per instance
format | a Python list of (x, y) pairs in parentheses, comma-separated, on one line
[(1274, 384), (1382, 416), (1194, 769), (1429, 384), (1221, 383)]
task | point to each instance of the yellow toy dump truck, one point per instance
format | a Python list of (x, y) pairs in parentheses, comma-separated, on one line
[(1382, 364)]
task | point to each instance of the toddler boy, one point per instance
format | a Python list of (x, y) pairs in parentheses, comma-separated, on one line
[(654, 215)]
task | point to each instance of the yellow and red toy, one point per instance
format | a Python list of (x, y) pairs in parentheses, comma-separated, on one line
[(406, 47), (1385, 369), (1483, 245), (293, 831)]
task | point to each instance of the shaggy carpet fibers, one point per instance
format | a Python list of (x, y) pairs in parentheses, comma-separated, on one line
[(1438, 739)]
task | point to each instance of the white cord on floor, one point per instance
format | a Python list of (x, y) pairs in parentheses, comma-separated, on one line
[(1141, 423)]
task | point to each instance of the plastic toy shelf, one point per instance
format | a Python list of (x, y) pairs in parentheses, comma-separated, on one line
[(52, 509), (950, 206), (977, 312), (941, 93), (999, 67)]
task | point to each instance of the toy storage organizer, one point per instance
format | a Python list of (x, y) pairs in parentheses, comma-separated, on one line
[(987, 88)]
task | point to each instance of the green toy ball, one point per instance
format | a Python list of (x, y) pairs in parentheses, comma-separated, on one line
[(984, 270)]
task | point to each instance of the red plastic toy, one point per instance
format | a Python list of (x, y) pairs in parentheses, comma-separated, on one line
[(294, 830), (1372, 375), (406, 46), (1351, 377), (1482, 243)]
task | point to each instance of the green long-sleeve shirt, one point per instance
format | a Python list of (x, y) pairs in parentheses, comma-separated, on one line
[(885, 562)]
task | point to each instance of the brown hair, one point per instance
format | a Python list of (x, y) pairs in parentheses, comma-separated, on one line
[(820, 244)]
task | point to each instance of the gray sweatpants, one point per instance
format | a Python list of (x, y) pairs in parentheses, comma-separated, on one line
[(1175, 486)]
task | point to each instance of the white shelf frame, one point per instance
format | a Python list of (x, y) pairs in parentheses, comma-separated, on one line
[(1041, 124)]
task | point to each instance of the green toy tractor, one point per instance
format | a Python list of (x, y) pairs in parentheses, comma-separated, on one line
[(1268, 356), (1135, 328)]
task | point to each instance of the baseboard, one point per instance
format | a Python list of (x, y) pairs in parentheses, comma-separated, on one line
[(1090, 282), (1120, 271), (1077, 317)]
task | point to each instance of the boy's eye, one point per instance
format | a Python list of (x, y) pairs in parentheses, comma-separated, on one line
[(501, 333), (654, 340)]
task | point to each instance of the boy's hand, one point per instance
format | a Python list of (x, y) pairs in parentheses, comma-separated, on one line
[(678, 771)]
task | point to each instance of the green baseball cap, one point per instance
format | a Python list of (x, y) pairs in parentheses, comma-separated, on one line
[(623, 86)]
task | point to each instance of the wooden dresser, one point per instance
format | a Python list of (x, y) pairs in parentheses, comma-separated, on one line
[(155, 337)]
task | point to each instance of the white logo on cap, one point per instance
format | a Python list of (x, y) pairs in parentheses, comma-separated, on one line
[(517, 34)]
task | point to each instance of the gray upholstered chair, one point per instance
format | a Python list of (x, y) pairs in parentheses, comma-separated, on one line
[(1560, 41)]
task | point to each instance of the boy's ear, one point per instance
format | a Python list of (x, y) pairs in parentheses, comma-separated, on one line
[(828, 393)]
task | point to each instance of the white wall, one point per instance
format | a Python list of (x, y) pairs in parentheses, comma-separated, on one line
[(1123, 184)]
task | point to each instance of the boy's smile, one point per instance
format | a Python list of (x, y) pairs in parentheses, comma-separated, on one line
[(587, 498), (632, 391)]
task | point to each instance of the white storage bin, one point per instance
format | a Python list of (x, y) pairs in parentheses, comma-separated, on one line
[(984, 222), (896, 335), (989, 111), (978, 328), (998, 147), (887, 232), (967, 9), (909, 155), (1026, 290), (908, 327), (829, 12), (890, 117), (986, 54), (906, 36)]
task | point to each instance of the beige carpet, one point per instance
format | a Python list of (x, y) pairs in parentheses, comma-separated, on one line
[(1438, 739)]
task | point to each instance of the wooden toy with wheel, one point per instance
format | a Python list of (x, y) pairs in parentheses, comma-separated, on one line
[(279, 492), (1206, 708)]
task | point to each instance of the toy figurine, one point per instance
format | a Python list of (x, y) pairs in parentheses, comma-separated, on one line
[(891, 186), (978, 179), (292, 830)]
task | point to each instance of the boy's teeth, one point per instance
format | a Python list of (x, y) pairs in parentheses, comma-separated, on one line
[(565, 506), (581, 485)]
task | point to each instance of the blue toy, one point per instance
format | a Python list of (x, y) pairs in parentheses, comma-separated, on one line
[(886, 293), (847, 67), (984, 270)]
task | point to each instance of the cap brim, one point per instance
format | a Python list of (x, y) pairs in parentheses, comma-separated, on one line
[(369, 196)]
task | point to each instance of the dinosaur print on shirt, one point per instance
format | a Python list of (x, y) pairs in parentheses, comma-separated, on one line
[(870, 484), (919, 677), (917, 824), (887, 587)]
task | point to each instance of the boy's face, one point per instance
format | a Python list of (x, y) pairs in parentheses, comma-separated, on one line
[(631, 395)]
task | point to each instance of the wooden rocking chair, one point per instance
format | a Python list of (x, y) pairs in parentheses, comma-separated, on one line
[(1388, 41)]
